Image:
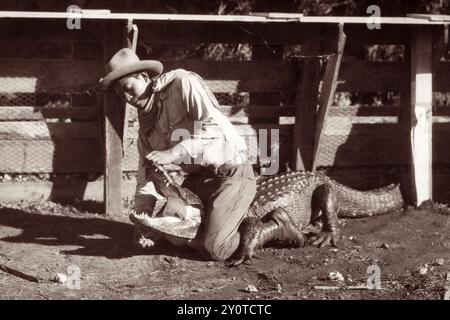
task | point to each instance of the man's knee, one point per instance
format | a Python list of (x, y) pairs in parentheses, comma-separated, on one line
[(220, 249)]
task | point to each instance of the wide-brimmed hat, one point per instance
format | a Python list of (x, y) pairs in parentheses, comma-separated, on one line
[(126, 62)]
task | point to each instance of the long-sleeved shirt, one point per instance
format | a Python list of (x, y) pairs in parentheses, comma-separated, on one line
[(183, 110)]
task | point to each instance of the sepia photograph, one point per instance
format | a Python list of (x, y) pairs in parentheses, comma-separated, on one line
[(224, 154)]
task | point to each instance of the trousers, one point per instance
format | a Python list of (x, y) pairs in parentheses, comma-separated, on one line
[(227, 194)]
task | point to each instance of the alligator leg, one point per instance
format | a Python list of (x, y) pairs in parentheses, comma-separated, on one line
[(324, 202), (315, 226), (276, 225)]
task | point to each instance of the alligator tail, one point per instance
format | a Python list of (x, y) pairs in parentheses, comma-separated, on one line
[(357, 204)]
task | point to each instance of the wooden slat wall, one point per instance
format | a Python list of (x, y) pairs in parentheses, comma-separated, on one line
[(353, 135), (48, 121)]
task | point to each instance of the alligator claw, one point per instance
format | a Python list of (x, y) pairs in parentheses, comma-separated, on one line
[(312, 229), (247, 260), (236, 263), (325, 239)]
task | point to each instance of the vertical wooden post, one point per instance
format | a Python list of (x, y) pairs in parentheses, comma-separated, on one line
[(265, 52), (421, 113), (327, 92), (115, 35), (306, 101), (132, 37)]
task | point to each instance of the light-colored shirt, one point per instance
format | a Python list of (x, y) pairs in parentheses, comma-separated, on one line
[(183, 110)]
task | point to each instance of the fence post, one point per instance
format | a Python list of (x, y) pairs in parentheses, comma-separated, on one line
[(264, 52), (421, 113), (327, 92), (115, 38), (306, 101)]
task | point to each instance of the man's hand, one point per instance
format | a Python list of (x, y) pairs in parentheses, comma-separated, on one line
[(162, 157), (166, 156)]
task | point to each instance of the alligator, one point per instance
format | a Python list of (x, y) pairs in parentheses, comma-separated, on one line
[(311, 202)]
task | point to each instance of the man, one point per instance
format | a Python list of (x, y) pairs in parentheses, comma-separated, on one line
[(178, 104), (172, 104)]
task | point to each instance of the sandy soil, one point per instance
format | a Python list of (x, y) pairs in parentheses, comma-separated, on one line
[(45, 238)]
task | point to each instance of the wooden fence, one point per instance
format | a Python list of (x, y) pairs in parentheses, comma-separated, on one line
[(51, 119)]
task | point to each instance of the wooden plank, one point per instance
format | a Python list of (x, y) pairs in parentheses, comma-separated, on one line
[(379, 112), (102, 14), (430, 17), (341, 126), (131, 39), (265, 53), (25, 156), (243, 113), (248, 76), (243, 130), (331, 143), (364, 111), (350, 128), (20, 130), (52, 76), (362, 20), (270, 33), (29, 76), (362, 36), (358, 129), (364, 76), (306, 105), (327, 93), (13, 49), (339, 121), (380, 148), (269, 111), (441, 111), (255, 111), (43, 113), (115, 38), (368, 158), (440, 42), (254, 147), (48, 30), (38, 130), (441, 77), (421, 113)]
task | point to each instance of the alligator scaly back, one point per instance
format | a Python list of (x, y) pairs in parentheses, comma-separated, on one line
[(296, 192)]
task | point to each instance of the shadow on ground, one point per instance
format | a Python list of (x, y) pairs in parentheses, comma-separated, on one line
[(95, 236)]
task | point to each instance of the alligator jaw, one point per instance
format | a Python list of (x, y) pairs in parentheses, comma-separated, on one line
[(170, 226)]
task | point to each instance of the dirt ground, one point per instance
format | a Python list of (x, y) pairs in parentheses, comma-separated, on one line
[(411, 248)]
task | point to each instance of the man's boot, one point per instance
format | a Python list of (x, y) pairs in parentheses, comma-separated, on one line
[(275, 226)]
